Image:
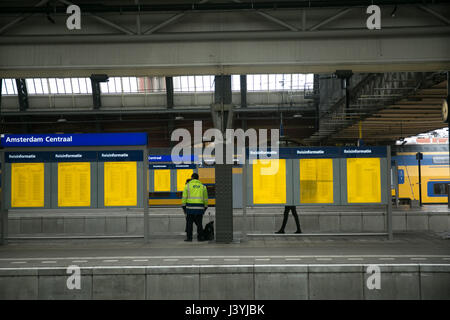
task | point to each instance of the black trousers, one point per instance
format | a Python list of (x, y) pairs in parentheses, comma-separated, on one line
[(286, 214), (191, 219)]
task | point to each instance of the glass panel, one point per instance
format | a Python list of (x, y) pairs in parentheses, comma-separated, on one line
[(236, 82), (30, 86), (44, 82), (38, 86), (184, 84), (134, 84), (88, 85), (53, 86), (104, 87), (118, 83), (83, 87), (11, 86), (126, 84), (67, 85), (75, 85)]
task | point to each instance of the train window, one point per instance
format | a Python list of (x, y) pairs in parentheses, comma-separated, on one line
[(440, 160), (440, 188)]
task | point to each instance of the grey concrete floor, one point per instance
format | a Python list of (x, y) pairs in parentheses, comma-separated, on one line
[(405, 248)]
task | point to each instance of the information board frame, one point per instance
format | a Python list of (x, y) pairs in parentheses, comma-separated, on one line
[(340, 156), (139, 144)]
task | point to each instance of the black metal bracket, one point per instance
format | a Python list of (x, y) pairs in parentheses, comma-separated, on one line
[(96, 93)]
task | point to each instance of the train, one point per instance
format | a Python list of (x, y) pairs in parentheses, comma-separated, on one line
[(435, 173)]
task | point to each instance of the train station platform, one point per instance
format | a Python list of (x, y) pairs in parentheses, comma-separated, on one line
[(415, 265), (170, 222)]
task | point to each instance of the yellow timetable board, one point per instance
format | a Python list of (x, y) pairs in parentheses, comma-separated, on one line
[(182, 176), (74, 184), (120, 183), (27, 185), (161, 180), (363, 180), (316, 180), (269, 181)]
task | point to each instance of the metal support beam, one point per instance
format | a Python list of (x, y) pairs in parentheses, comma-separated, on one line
[(172, 19), (145, 195), (165, 23), (138, 18), (277, 21), (22, 94), (3, 211), (435, 14), (222, 111), (332, 18), (389, 196), (243, 83), (273, 19), (21, 18), (169, 92)]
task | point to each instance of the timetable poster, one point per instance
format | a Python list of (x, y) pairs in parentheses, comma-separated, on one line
[(269, 187), (120, 179), (182, 176), (74, 184), (27, 185), (316, 181), (161, 180), (363, 180)]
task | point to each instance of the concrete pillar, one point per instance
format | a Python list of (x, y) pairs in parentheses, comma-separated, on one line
[(222, 114)]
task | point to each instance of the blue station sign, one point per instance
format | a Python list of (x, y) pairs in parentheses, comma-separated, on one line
[(73, 140)]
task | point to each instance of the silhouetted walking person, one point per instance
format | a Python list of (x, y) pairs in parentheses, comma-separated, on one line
[(285, 218)]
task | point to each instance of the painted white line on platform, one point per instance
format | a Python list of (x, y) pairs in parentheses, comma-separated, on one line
[(446, 257), (266, 259), (355, 259), (293, 259), (324, 259), (48, 261), (18, 262), (231, 259), (204, 259), (110, 260), (79, 261), (140, 260), (387, 259)]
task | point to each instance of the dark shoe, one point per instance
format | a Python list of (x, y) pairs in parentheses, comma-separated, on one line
[(188, 240), (280, 232), (298, 231)]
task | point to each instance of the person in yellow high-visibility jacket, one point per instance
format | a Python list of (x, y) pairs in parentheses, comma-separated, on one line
[(195, 203)]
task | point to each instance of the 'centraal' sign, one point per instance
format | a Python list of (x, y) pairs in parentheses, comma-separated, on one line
[(76, 139)]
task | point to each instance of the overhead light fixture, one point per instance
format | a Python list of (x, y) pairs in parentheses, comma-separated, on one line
[(61, 119), (297, 115), (179, 118)]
